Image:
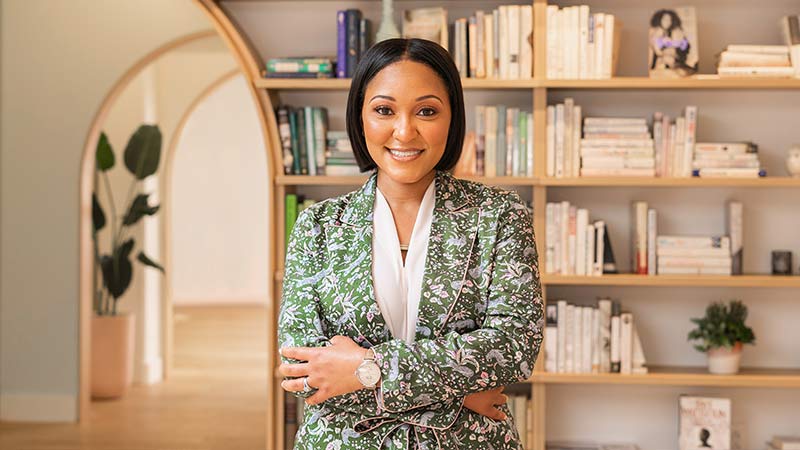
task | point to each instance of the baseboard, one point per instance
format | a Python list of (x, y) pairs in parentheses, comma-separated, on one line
[(149, 371), (38, 408)]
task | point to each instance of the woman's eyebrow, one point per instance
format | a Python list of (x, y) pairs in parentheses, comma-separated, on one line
[(418, 99)]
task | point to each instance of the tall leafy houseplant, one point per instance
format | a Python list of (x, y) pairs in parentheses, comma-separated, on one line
[(722, 332), (142, 155)]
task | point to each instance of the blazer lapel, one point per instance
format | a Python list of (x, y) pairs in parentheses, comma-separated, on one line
[(453, 233), (350, 249)]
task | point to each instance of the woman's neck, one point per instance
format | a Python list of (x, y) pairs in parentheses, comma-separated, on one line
[(404, 194)]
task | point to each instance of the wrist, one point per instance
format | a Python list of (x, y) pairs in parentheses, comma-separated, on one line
[(368, 372)]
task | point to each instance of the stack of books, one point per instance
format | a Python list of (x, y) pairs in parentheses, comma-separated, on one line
[(674, 143), (496, 44), (339, 157), (574, 244), (501, 145), (726, 159), (563, 139), (694, 255), (755, 61), (352, 40), (592, 339), (303, 132), (580, 44), (617, 146), (299, 67)]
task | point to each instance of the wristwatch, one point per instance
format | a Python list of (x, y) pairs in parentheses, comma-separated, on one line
[(368, 372)]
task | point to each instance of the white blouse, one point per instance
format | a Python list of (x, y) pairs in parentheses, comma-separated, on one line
[(397, 286)]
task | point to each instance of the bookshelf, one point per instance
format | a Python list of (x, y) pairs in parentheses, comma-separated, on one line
[(231, 20)]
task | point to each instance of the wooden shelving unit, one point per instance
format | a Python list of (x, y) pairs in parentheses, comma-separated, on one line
[(267, 92)]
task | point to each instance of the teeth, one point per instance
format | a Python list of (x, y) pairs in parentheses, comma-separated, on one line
[(405, 154)]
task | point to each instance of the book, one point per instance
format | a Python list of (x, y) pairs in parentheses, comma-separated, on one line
[(672, 39), (426, 23), (652, 233), (285, 132), (626, 343), (551, 338), (704, 423), (639, 238), (735, 230), (616, 328)]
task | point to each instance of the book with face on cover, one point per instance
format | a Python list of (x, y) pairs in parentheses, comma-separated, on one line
[(705, 423), (426, 23), (672, 46)]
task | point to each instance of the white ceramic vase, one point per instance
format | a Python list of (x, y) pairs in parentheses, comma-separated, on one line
[(387, 29), (725, 360), (793, 161)]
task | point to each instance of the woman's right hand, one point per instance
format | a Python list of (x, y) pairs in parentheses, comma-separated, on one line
[(484, 403)]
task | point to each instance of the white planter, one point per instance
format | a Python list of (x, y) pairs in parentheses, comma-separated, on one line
[(725, 360)]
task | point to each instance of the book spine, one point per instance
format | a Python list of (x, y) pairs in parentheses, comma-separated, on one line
[(513, 41), (626, 343), (301, 140), (604, 311), (689, 139), (496, 43), (583, 42), (290, 204), (577, 342), (353, 20), (564, 241), (569, 366), (501, 140), (608, 53), (512, 139), (576, 141), (557, 238), (480, 45), (599, 242), (526, 42), (652, 230), (551, 339), (582, 223), (530, 159), (552, 40), (550, 246), (639, 238), (736, 232), (298, 66), (658, 143), (504, 47), (490, 158), (488, 28), (595, 340), (472, 44), (480, 140), (341, 44), (686, 242), (615, 337), (320, 137), (586, 348), (561, 339), (590, 249), (572, 240), (559, 140), (363, 36), (310, 140), (285, 132), (638, 361), (551, 143), (569, 135)]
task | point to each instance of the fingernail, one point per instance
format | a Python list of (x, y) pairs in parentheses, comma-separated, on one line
[(504, 417)]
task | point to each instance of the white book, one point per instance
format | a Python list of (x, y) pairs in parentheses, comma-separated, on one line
[(560, 59), (520, 416), (596, 348), (565, 207), (693, 252), (503, 55), (559, 138), (615, 338), (763, 49), (526, 40), (694, 270), (697, 414), (689, 139), (590, 48), (747, 172), (490, 155), (472, 46), (600, 227), (576, 141), (582, 221), (688, 261), (626, 343), (557, 238), (639, 238), (496, 43), (756, 72), (626, 172), (735, 229), (583, 41), (670, 154), (652, 233), (551, 141), (569, 135), (668, 241), (512, 139), (488, 45), (569, 348), (608, 53), (551, 339), (586, 348), (658, 143), (552, 41), (679, 158), (480, 41), (572, 240), (590, 249), (638, 361), (577, 340), (550, 241), (513, 41), (605, 121), (599, 44), (530, 161), (604, 311), (561, 339)]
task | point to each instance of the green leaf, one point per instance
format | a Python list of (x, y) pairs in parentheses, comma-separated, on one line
[(98, 216), (143, 152), (142, 258), (138, 209), (104, 155), (117, 269)]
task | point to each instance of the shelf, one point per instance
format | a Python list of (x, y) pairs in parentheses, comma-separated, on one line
[(674, 280), (693, 82), (681, 376), (343, 84), (764, 182), (357, 180)]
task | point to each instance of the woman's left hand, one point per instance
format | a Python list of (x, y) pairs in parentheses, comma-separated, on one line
[(330, 370)]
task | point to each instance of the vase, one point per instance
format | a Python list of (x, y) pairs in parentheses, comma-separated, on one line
[(112, 355), (387, 29), (724, 360), (793, 161)]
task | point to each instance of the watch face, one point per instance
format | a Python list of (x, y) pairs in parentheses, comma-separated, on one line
[(368, 373)]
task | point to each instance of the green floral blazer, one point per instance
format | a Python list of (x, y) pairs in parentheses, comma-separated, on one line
[(479, 326)]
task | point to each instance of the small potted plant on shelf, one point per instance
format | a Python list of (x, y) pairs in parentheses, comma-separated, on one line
[(722, 333), (113, 333)]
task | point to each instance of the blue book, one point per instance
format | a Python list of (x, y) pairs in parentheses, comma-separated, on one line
[(341, 44)]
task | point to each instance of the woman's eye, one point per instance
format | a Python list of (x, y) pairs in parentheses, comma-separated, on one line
[(427, 112), (383, 110)]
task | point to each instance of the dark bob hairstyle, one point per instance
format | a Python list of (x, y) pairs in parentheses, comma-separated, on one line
[(390, 51)]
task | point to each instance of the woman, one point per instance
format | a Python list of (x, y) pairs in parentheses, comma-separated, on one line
[(409, 347)]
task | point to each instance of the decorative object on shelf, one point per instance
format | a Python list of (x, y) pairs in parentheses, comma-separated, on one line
[(781, 262), (113, 333), (387, 28), (426, 23), (722, 333), (793, 161), (673, 43), (704, 423)]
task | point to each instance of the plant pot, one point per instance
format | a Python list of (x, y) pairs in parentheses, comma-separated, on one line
[(725, 360), (112, 355)]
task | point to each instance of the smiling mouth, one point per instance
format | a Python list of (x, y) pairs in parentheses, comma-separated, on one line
[(404, 154)]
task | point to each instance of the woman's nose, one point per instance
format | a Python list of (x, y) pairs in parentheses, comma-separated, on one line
[(404, 128)]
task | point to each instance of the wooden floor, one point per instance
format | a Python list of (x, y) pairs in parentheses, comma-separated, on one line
[(215, 398)]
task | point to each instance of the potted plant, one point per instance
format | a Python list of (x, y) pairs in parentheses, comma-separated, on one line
[(113, 333), (722, 333)]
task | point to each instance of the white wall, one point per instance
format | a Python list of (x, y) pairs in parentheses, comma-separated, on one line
[(219, 230), (59, 59)]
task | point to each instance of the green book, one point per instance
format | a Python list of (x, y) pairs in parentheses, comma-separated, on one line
[(290, 215)]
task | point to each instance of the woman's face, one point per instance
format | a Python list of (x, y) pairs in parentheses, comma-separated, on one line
[(406, 117), (666, 21)]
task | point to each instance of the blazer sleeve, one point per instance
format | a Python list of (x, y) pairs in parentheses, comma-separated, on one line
[(502, 351), (300, 324)]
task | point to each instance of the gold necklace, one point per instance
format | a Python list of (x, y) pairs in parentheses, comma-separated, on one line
[(404, 247)]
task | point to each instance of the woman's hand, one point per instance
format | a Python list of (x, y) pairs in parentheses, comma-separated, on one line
[(484, 403), (330, 370)]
